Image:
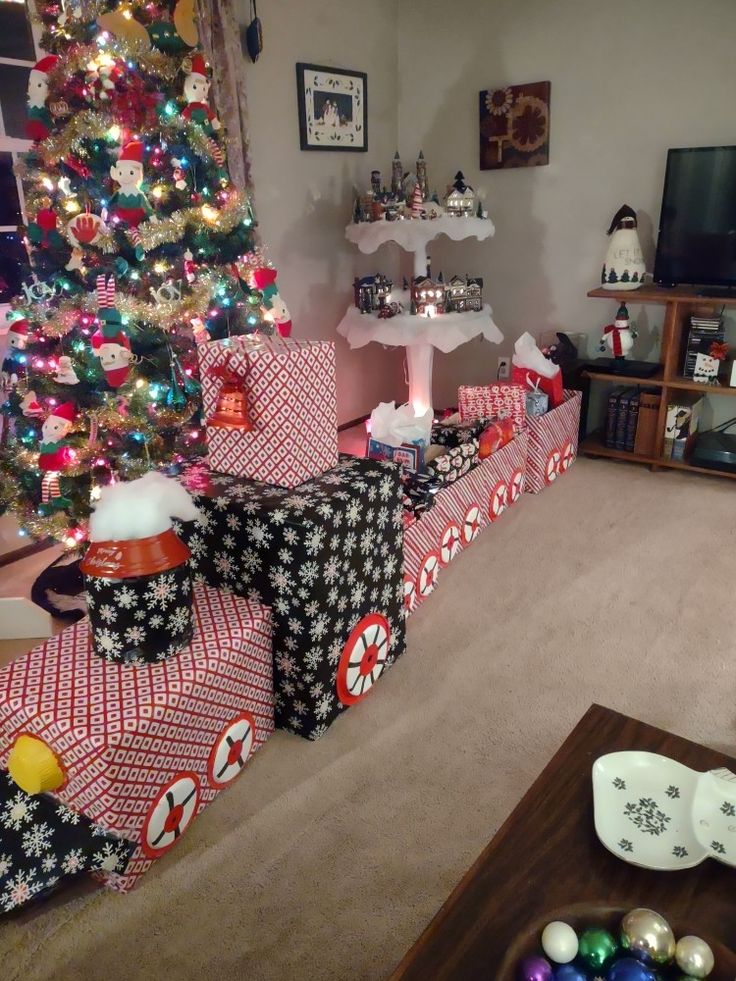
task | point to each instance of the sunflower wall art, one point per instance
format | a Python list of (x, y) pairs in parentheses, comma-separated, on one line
[(514, 126)]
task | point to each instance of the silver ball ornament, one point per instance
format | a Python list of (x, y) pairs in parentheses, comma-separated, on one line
[(648, 936), (694, 957)]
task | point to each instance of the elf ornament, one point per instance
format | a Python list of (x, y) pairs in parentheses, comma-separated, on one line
[(39, 121), (110, 343), (18, 337), (619, 336), (272, 307), (129, 203), (55, 454), (196, 93), (624, 267)]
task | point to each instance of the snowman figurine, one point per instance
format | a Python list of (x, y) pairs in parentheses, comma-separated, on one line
[(55, 454), (129, 203), (196, 93), (18, 338), (273, 307), (110, 343), (624, 267), (38, 125), (619, 336)]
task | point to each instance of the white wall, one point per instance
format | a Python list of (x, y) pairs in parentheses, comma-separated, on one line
[(629, 79), (304, 199)]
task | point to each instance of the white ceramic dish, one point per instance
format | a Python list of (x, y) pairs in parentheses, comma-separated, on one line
[(654, 812)]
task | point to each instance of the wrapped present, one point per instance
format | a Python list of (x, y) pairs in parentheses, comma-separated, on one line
[(494, 436), (497, 401), (410, 456), (418, 493), (288, 428), (326, 557), (553, 442), (537, 402), (461, 511), (532, 380), (455, 463), (455, 434), (137, 750)]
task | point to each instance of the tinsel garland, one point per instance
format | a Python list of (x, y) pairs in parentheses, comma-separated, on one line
[(150, 61), (165, 231)]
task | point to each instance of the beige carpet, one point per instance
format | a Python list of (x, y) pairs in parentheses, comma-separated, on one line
[(326, 860)]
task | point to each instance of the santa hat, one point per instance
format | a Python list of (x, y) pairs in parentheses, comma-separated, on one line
[(19, 327), (264, 277), (67, 411), (45, 65), (133, 152), (198, 66)]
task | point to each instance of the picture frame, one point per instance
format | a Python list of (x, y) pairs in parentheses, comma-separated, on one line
[(514, 126), (333, 108)]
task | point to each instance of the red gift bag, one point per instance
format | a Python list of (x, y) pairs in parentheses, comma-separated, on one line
[(532, 379)]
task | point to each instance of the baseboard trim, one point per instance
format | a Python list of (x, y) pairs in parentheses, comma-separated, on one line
[(22, 553)]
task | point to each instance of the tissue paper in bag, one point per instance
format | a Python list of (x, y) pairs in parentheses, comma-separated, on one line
[(532, 369)]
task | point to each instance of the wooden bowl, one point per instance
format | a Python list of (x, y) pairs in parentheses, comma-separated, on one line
[(582, 915)]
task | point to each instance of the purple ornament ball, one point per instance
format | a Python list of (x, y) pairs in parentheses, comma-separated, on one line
[(628, 969), (534, 969), (568, 972)]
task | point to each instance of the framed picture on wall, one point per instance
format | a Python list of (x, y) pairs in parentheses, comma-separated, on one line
[(514, 126), (333, 108)]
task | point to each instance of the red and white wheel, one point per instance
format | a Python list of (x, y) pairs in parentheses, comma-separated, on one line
[(516, 485), (170, 814), (497, 500), (410, 593), (567, 456), (552, 467), (471, 524), (363, 658), (231, 750), (429, 570), (450, 543)]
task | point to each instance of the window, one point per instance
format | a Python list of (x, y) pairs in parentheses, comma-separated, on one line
[(19, 52)]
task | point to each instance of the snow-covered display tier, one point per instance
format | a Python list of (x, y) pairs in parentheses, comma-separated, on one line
[(419, 334), (414, 234)]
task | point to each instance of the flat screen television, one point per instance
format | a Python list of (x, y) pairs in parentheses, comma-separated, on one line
[(697, 224)]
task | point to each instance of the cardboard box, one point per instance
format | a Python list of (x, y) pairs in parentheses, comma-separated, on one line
[(553, 443)]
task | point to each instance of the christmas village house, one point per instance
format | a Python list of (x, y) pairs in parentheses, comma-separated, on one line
[(428, 297), (371, 292), (464, 294)]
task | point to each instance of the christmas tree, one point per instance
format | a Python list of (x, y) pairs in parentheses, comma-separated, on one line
[(139, 248)]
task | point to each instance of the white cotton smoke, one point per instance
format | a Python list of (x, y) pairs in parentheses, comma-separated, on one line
[(140, 508)]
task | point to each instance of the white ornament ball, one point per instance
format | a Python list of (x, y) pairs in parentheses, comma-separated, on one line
[(694, 957), (559, 942)]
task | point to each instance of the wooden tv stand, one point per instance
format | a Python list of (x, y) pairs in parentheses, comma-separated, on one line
[(680, 303)]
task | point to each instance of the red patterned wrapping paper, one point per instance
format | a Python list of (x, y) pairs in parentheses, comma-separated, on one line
[(497, 401), (461, 511), (553, 442), (125, 734), (291, 394)]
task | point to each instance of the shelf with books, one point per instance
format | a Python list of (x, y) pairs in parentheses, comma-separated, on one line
[(656, 379), (593, 445)]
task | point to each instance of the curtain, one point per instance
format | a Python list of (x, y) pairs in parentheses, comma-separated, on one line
[(219, 34)]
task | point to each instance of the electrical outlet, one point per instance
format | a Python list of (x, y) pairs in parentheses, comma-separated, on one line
[(504, 367)]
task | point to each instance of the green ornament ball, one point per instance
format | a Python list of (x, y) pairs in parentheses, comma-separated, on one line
[(597, 947)]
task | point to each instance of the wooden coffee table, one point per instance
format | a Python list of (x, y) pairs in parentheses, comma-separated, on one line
[(546, 857)]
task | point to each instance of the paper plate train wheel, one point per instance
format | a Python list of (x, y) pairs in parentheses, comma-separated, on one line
[(471, 524), (429, 570), (567, 456), (170, 814), (516, 485), (552, 467), (497, 501), (231, 750), (450, 543), (363, 658), (410, 592)]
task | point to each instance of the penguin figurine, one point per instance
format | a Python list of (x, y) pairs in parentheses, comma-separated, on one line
[(624, 267)]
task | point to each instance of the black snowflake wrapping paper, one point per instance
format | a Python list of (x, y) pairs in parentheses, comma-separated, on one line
[(143, 619), (459, 434), (44, 843), (326, 556)]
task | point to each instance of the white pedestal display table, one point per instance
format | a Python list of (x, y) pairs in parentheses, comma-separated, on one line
[(420, 335)]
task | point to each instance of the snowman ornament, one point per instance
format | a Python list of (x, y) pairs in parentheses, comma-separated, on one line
[(38, 125), (55, 454), (619, 336), (196, 93), (17, 337)]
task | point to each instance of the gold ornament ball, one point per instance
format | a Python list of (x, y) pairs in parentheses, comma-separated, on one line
[(648, 936), (694, 957)]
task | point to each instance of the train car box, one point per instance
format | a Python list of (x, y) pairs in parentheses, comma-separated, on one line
[(553, 442)]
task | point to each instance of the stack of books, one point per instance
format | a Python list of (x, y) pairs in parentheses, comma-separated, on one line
[(631, 419), (703, 332)]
